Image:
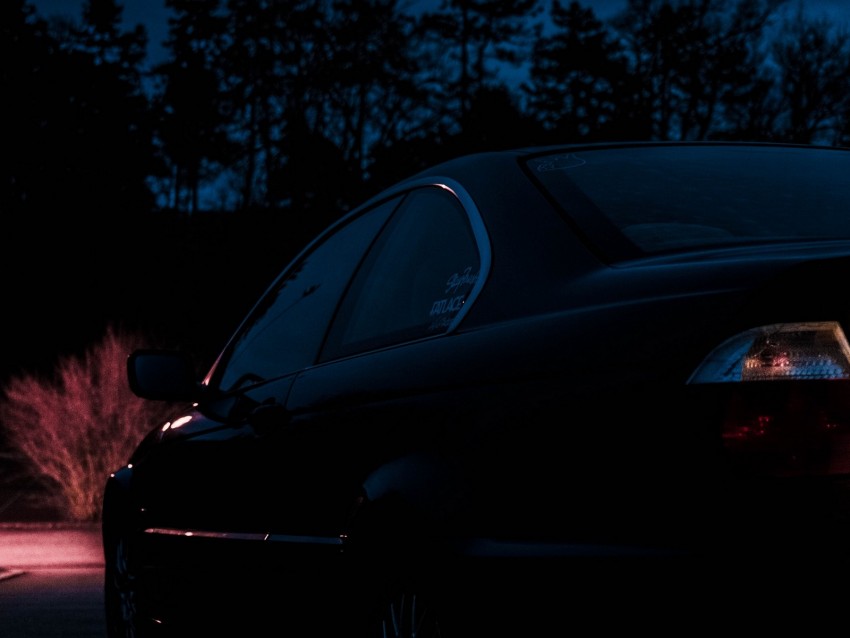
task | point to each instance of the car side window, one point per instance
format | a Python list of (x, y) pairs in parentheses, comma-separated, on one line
[(284, 331), (415, 279)]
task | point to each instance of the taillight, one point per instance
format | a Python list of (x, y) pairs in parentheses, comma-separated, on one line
[(811, 350), (784, 399)]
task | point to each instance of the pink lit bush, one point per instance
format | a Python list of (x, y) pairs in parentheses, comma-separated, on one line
[(76, 427)]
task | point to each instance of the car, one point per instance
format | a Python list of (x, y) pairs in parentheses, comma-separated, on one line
[(518, 391)]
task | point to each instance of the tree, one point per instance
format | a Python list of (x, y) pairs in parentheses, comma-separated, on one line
[(189, 107), (262, 52), (371, 86), (644, 28), (24, 52), (813, 66), (688, 56), (474, 38), (749, 101), (313, 177), (576, 76), (104, 124), (72, 429), (76, 134), (726, 63)]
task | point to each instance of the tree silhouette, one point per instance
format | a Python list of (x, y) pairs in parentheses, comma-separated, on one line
[(114, 150), (575, 85), (688, 58), (389, 91), (813, 61), (264, 44), (748, 105), (191, 122), (373, 78), (723, 59), (474, 38), (27, 86)]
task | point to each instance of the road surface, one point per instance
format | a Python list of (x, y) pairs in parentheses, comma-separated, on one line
[(51, 582)]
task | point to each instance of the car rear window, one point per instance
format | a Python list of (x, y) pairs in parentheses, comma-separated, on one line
[(677, 197)]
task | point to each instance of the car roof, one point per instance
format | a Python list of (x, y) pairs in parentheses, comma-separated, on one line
[(544, 228)]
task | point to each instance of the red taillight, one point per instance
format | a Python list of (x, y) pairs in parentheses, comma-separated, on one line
[(796, 429), (782, 395), (747, 431)]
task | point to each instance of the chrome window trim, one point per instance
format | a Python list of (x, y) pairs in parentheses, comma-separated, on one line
[(479, 231)]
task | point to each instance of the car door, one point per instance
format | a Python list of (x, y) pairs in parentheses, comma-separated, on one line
[(369, 418), (219, 468)]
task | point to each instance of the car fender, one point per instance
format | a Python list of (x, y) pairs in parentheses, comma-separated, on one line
[(116, 493), (118, 512)]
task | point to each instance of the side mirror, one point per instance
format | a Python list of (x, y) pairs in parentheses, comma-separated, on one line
[(162, 375)]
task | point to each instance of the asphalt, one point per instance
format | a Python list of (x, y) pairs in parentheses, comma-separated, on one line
[(36, 536), (28, 547)]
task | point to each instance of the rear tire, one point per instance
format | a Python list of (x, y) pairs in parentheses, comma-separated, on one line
[(408, 613)]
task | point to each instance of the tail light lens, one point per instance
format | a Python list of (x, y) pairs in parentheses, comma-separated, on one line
[(783, 392), (813, 350)]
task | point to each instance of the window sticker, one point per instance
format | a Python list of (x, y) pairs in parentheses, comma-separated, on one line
[(559, 162), (458, 286)]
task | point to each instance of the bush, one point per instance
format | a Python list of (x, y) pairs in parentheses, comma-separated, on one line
[(73, 429)]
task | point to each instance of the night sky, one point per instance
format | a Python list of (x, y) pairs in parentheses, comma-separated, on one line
[(154, 15)]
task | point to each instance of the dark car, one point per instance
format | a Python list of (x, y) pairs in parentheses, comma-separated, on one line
[(516, 392)]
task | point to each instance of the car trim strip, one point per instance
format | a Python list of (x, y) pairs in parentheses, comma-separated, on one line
[(481, 547), (246, 536)]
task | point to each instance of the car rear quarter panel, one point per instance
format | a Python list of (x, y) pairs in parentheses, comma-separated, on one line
[(572, 423)]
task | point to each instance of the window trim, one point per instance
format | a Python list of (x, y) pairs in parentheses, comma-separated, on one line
[(479, 232)]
